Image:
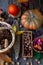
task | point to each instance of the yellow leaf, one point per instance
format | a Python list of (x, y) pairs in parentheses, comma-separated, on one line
[(19, 32)]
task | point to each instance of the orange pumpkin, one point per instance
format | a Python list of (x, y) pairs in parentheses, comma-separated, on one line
[(31, 19)]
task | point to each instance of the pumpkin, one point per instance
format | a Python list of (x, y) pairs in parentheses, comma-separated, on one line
[(22, 1), (13, 9), (31, 19)]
